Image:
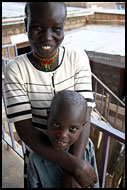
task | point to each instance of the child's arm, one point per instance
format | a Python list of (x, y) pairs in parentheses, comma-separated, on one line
[(77, 150)]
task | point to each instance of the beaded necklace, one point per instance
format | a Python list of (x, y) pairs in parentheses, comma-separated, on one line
[(46, 63)]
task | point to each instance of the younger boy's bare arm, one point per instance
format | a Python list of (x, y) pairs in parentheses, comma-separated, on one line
[(78, 148)]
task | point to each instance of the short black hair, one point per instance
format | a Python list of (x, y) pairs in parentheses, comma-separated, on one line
[(68, 97), (28, 4)]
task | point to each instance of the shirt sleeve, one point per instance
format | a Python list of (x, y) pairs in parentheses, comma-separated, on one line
[(18, 104), (83, 78)]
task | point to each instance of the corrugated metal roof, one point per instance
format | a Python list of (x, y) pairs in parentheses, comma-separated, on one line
[(108, 39), (103, 43)]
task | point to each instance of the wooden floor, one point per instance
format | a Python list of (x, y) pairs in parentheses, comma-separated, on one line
[(12, 168)]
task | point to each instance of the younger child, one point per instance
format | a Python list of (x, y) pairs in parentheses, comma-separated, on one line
[(66, 119)]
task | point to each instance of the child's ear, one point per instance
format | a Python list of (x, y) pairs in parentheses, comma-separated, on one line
[(84, 123)]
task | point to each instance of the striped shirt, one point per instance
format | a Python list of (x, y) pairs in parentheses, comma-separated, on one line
[(29, 91)]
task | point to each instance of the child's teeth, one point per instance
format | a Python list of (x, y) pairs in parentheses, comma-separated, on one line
[(46, 47), (59, 142)]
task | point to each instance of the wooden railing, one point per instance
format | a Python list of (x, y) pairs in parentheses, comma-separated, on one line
[(110, 108)]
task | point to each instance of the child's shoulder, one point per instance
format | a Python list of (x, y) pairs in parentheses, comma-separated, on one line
[(90, 145), (35, 157)]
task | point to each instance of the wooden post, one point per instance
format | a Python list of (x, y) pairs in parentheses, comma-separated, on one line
[(108, 181), (115, 152), (122, 183), (106, 105), (119, 169)]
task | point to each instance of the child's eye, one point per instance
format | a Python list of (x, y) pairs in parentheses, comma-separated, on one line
[(55, 125), (73, 129), (56, 29), (37, 28)]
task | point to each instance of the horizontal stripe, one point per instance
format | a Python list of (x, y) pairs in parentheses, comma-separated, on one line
[(83, 77), (13, 83), (75, 85), (37, 84), (13, 90), (83, 90), (41, 100), (30, 92), (72, 77), (64, 80), (82, 83), (89, 100), (51, 92), (18, 114), (15, 96), (29, 83), (83, 71), (41, 126), (40, 116), (38, 108), (17, 104)]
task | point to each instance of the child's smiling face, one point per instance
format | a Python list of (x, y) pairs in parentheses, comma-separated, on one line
[(45, 27), (65, 125)]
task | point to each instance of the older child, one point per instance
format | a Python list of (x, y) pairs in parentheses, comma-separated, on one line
[(66, 120)]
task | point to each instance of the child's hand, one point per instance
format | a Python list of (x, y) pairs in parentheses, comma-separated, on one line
[(69, 181), (85, 174)]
